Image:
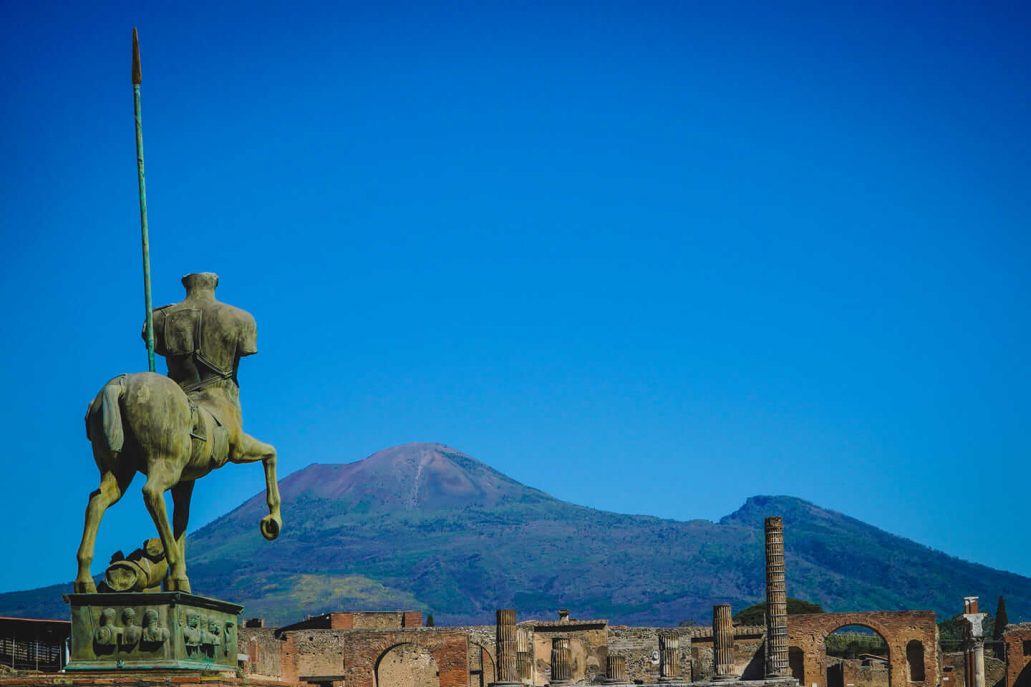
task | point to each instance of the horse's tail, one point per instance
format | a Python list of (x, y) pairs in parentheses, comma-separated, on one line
[(107, 408)]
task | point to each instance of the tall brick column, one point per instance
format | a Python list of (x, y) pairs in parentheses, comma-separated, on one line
[(669, 656), (506, 647), (524, 656), (561, 661), (776, 601), (723, 643), (615, 670)]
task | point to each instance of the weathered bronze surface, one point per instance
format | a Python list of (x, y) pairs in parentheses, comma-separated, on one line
[(143, 570), (145, 631), (176, 429)]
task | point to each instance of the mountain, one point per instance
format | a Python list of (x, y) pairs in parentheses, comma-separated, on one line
[(428, 527)]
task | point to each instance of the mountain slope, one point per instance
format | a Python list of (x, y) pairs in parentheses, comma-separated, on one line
[(429, 527)]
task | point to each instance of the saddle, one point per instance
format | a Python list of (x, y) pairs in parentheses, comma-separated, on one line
[(208, 433)]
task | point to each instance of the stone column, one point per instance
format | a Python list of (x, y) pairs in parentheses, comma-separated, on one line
[(979, 663), (506, 647), (524, 656), (973, 648), (561, 661), (615, 670), (723, 643), (776, 601), (669, 656)]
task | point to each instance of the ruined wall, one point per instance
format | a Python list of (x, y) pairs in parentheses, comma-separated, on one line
[(407, 665), (352, 657), (588, 644), (264, 651), (953, 674), (1017, 639), (640, 646), (359, 620), (748, 652), (183, 678), (857, 672), (465, 656), (480, 657), (807, 649)]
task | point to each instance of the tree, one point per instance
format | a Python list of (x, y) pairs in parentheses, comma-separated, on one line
[(429, 620), (1001, 619), (756, 615)]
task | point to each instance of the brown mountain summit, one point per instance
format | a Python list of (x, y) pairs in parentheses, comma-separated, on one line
[(409, 477)]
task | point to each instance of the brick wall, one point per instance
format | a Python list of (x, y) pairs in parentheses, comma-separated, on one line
[(1018, 654), (482, 649), (359, 620), (352, 656), (264, 651), (807, 632)]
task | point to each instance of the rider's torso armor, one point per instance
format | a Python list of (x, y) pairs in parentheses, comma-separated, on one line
[(203, 341)]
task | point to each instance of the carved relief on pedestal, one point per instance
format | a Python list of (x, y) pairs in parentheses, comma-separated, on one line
[(153, 634)]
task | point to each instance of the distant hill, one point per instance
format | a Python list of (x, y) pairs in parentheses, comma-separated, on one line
[(426, 526)]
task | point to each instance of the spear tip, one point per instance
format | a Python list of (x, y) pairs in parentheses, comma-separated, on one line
[(137, 73)]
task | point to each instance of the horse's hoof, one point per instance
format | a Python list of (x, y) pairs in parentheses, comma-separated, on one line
[(85, 587), (270, 526), (180, 584)]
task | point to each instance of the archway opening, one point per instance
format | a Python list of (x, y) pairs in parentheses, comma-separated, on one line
[(796, 662), (407, 665), (856, 656), (915, 660)]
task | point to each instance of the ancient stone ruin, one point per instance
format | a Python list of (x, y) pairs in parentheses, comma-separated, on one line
[(396, 649)]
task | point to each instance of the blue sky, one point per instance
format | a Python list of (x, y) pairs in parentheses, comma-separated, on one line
[(649, 257)]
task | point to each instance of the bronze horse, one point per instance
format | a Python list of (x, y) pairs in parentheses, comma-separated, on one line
[(148, 423)]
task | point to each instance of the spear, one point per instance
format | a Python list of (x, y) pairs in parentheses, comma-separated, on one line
[(137, 77)]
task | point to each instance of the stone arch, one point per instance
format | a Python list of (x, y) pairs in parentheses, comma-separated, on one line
[(406, 665), (915, 660), (809, 631), (482, 670)]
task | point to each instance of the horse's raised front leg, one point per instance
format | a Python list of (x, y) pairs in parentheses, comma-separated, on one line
[(249, 451), (112, 487), (181, 495), (160, 480)]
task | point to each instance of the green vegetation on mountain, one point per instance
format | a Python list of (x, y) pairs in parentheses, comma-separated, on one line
[(756, 613), (426, 527)]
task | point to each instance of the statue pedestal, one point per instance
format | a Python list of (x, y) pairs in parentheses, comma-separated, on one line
[(152, 631)]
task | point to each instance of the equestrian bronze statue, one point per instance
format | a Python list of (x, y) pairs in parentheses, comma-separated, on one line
[(178, 428)]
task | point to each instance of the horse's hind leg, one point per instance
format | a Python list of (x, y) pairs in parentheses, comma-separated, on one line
[(182, 493), (112, 486), (250, 450), (158, 482)]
